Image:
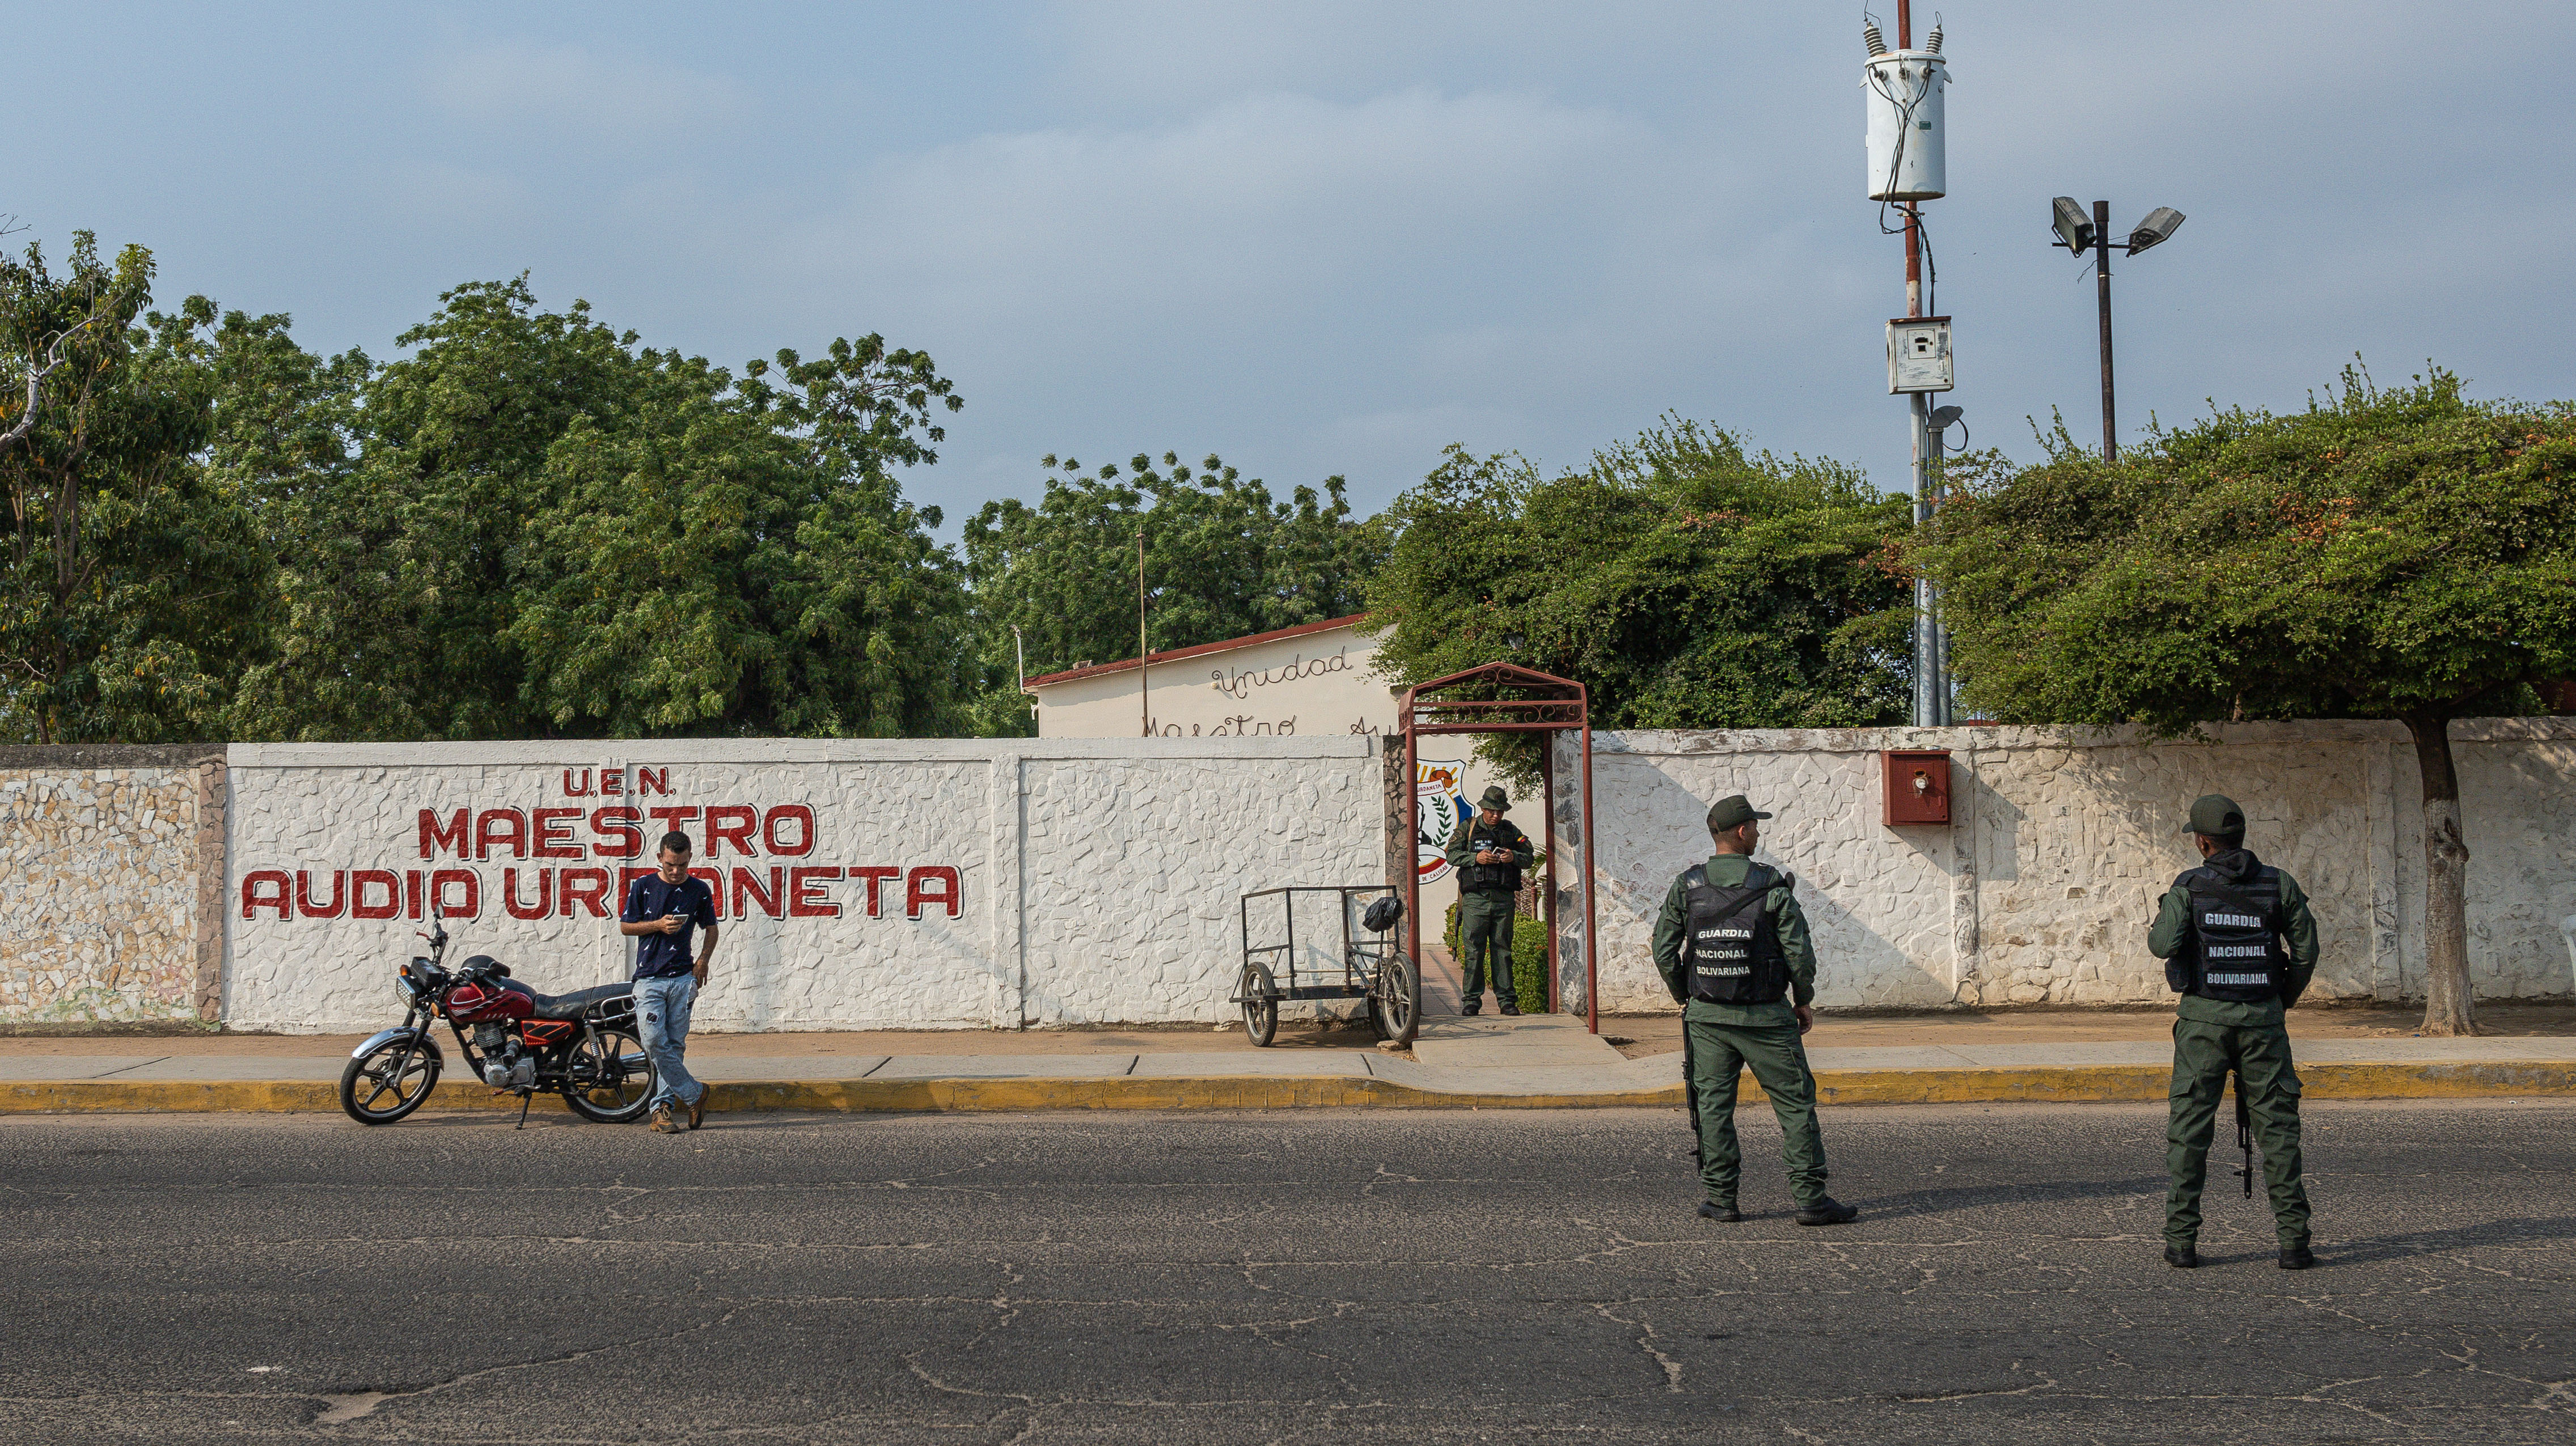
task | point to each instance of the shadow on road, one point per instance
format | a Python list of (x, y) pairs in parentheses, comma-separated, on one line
[(1973, 1197)]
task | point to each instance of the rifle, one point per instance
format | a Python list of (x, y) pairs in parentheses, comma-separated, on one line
[(1690, 1091), (2244, 1137)]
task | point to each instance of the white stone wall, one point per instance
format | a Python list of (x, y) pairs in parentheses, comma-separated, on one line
[(1099, 879), (2041, 888), (102, 898), (2518, 803)]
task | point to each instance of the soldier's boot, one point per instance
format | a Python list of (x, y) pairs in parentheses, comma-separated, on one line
[(2184, 1257), (1473, 1006), (1509, 1006), (1829, 1211), (1723, 1211), (2296, 1257)]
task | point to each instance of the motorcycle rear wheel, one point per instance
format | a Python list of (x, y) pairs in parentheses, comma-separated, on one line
[(374, 1074), (611, 1084)]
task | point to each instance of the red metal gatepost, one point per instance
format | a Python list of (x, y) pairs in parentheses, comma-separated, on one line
[(1563, 705)]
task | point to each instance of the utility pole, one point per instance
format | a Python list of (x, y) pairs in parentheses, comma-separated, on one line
[(1144, 664), (1906, 168), (1931, 675)]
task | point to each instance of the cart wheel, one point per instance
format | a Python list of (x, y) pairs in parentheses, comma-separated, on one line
[(1395, 1010), (1260, 1003)]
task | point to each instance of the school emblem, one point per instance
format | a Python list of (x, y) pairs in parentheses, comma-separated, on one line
[(1439, 806)]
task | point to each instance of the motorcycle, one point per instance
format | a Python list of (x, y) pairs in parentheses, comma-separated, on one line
[(584, 1045)]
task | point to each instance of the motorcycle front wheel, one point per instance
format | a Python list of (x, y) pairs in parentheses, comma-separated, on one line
[(383, 1085), (608, 1077)]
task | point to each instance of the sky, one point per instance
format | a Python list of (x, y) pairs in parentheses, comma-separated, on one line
[(1334, 238)]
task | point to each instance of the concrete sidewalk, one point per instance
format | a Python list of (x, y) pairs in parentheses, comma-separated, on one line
[(1533, 1062)]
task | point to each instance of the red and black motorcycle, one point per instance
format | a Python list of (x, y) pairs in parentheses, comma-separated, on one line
[(583, 1045)]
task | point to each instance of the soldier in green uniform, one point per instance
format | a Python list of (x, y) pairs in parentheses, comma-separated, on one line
[(1489, 853), (1732, 946), (2239, 946)]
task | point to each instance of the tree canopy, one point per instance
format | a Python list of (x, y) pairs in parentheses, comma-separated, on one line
[(536, 528), (132, 589), (1687, 583), (2387, 553), (1223, 558)]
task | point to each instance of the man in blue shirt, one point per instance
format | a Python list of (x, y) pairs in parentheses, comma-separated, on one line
[(661, 911)]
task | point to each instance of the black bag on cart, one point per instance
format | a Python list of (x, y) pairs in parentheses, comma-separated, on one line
[(1383, 914)]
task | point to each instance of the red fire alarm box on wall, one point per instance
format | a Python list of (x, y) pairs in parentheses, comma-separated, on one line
[(1918, 785)]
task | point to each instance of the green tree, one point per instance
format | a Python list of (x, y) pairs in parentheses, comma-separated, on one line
[(750, 551), (1223, 559), (134, 586), (544, 530), (2400, 553), (1686, 583)]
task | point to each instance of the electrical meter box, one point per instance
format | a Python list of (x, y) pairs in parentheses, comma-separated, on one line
[(1918, 354), (1918, 786)]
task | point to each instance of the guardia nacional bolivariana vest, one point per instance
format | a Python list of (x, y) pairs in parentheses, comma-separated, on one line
[(1732, 947), (1474, 878), (2236, 935)]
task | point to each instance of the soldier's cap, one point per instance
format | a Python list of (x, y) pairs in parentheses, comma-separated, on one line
[(2215, 814), (1495, 799), (1732, 811)]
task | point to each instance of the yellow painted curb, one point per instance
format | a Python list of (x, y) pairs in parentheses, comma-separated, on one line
[(2062, 1084)]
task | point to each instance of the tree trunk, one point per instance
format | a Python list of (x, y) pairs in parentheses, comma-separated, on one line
[(2448, 1005)]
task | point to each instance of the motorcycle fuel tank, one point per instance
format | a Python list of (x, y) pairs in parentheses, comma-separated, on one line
[(487, 999)]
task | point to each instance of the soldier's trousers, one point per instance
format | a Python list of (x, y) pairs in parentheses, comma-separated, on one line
[(1719, 1053), (2204, 1056), (1484, 933)]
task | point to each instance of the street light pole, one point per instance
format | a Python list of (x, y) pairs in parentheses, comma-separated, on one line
[(2078, 235), (2102, 290)]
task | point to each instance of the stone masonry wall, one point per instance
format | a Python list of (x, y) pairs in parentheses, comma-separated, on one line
[(99, 849), (1049, 882), (2041, 887)]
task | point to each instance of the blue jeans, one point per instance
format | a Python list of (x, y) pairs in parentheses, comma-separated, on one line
[(662, 1016)]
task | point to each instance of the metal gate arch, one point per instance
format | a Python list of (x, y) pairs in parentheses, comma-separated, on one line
[(1561, 705)]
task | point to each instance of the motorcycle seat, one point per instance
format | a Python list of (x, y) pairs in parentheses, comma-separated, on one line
[(572, 1006)]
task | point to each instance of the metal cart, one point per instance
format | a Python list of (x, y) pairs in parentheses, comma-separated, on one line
[(1373, 967)]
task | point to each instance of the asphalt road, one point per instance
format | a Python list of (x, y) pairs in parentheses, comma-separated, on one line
[(1497, 1276)]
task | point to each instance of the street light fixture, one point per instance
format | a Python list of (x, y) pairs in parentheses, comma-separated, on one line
[(2074, 231), (2159, 227), (2078, 233)]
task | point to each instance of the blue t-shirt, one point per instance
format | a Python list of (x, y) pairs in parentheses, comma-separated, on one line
[(662, 956)]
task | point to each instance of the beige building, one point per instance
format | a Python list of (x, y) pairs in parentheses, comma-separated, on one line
[(1300, 682)]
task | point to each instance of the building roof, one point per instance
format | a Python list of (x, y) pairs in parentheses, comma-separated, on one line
[(1070, 675)]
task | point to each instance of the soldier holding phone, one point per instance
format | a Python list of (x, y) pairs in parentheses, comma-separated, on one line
[(1490, 852)]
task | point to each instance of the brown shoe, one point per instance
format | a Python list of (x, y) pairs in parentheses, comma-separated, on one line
[(663, 1121), (698, 1111)]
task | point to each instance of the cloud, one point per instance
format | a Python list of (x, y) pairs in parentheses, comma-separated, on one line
[(1271, 205), (572, 91)]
